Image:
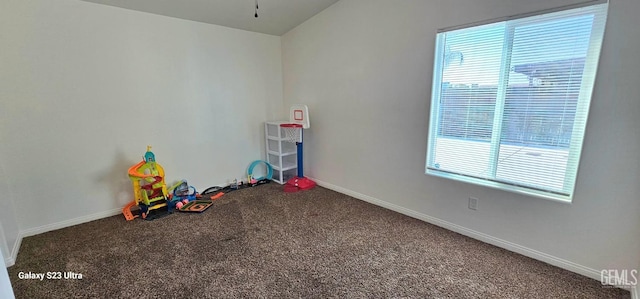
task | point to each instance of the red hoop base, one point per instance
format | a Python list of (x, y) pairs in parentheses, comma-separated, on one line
[(298, 184)]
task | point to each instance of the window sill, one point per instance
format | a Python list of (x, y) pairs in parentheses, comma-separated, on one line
[(565, 199)]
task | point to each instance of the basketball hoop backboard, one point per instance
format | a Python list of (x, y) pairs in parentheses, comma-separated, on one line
[(299, 114)]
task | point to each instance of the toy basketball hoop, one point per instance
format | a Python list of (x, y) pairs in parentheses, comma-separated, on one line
[(298, 120), (293, 132)]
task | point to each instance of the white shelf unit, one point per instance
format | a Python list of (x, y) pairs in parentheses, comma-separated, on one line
[(281, 154)]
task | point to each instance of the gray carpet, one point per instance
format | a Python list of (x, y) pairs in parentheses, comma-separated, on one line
[(262, 242)]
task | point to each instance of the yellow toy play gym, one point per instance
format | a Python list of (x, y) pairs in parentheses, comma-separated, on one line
[(149, 188)]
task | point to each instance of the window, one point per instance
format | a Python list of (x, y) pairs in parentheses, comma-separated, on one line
[(510, 100)]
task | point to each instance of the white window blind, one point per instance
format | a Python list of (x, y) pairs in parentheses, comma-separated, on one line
[(510, 100)]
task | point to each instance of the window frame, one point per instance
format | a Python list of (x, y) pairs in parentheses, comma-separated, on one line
[(582, 110)]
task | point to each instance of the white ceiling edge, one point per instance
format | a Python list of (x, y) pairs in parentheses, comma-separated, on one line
[(275, 17)]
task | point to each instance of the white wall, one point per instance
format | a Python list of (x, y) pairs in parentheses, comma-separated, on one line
[(6, 291), (364, 67), (84, 88), (9, 230)]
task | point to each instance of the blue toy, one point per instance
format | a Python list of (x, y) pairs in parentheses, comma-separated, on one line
[(182, 195)]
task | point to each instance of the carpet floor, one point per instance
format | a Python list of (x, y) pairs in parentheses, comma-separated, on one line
[(262, 242)]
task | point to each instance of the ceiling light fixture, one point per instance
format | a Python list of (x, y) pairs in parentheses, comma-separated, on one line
[(256, 8)]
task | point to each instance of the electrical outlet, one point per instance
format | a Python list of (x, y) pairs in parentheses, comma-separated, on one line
[(473, 203)]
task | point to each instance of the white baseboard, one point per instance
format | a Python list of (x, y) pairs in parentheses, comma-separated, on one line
[(541, 256), (71, 222), (10, 261)]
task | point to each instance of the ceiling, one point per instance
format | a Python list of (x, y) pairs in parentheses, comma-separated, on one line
[(275, 17)]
